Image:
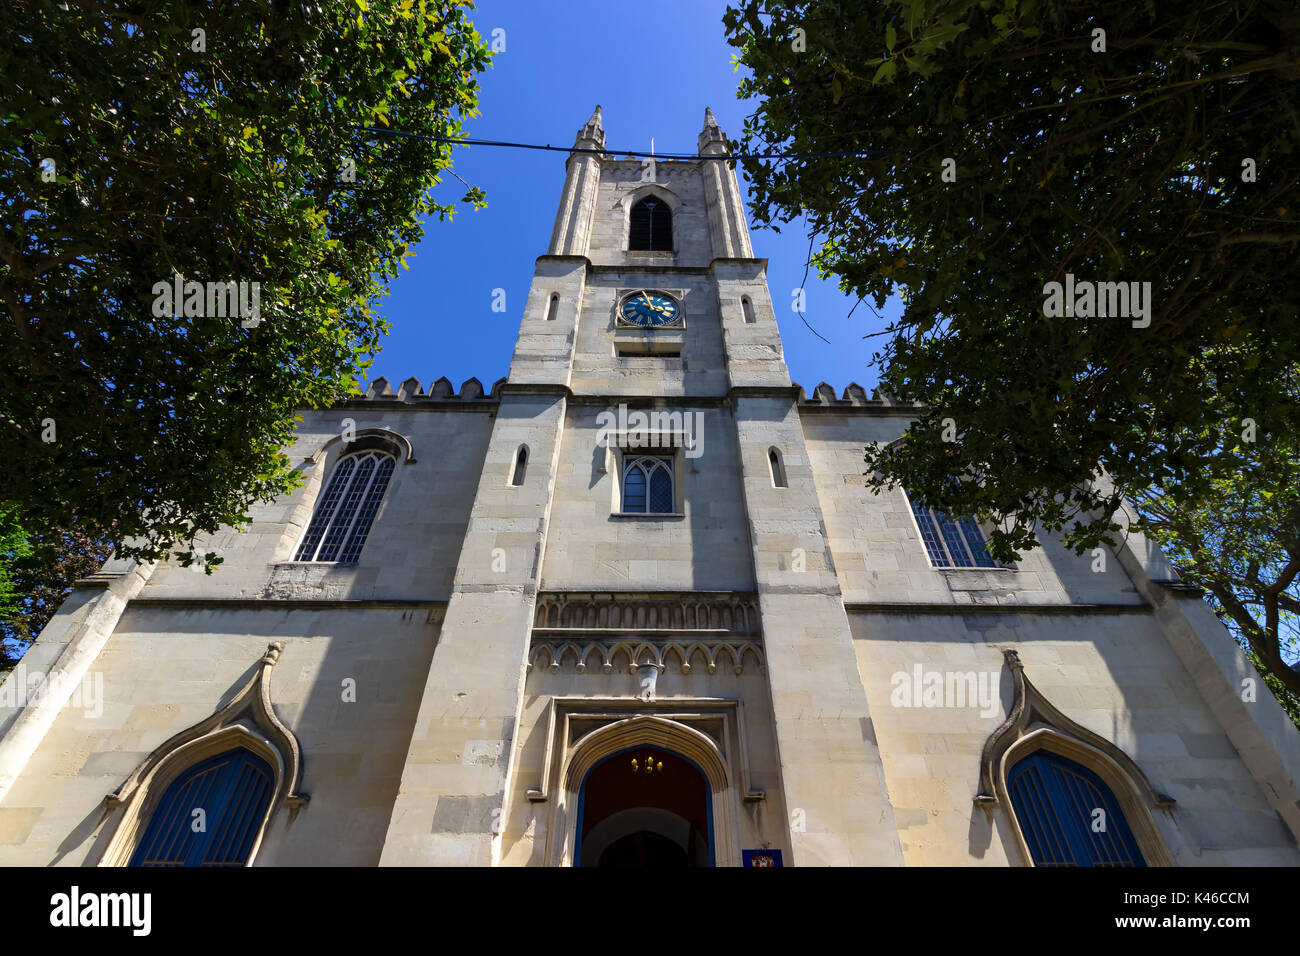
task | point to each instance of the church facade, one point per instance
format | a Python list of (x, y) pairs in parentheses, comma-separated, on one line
[(634, 606)]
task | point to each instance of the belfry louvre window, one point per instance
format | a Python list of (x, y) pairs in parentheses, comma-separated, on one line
[(343, 517), (951, 542), (651, 226), (648, 485), (1068, 816), (210, 815)]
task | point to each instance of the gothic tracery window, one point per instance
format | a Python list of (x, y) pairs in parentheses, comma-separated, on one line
[(651, 226), (950, 542), (648, 485), (341, 523)]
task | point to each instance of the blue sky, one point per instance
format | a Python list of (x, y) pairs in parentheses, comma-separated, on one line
[(653, 75)]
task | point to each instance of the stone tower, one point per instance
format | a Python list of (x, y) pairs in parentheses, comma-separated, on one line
[(564, 535), (634, 605)]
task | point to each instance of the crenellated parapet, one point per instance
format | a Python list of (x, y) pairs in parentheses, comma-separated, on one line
[(853, 396), (410, 392)]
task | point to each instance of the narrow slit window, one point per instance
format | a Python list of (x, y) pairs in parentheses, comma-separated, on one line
[(749, 309), (347, 509), (552, 307), (651, 226), (521, 466), (778, 469)]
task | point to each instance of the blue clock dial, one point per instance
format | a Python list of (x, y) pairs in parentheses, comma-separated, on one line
[(649, 309)]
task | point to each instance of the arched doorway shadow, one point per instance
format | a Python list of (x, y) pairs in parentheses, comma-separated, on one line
[(622, 739), (645, 807)]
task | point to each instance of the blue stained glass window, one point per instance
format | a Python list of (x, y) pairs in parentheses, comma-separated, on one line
[(634, 490), (233, 790), (325, 510), (951, 543), (952, 538), (930, 536), (1068, 815), (648, 486), (366, 515), (661, 491), (342, 520), (975, 541), (342, 523)]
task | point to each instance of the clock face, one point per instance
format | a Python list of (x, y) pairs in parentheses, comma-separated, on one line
[(649, 309)]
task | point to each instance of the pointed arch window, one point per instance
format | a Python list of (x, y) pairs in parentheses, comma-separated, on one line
[(748, 308), (778, 469), (950, 542), (521, 466), (648, 485), (1068, 816), (211, 814), (651, 226), (341, 523)]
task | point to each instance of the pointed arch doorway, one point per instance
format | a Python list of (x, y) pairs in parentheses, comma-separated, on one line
[(645, 807), (631, 736)]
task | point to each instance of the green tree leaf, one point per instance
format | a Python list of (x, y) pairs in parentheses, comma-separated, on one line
[(225, 166)]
